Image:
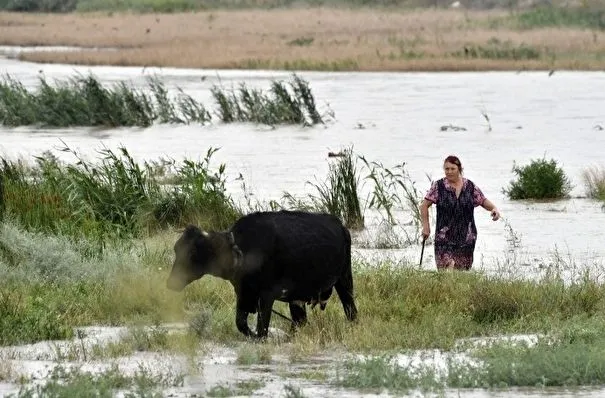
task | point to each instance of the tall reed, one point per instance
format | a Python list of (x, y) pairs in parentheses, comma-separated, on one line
[(114, 197), (339, 193), (393, 188), (84, 101), (291, 103)]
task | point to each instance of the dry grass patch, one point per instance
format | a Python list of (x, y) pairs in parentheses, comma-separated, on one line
[(315, 38), (594, 180)]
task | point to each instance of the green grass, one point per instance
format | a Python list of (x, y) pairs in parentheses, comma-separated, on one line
[(126, 285), (571, 358), (84, 101)]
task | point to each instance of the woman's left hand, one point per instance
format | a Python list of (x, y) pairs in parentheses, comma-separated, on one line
[(495, 214)]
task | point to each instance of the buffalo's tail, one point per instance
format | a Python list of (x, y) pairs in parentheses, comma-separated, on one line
[(344, 285)]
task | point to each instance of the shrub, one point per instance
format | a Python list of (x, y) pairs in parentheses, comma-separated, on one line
[(541, 179)]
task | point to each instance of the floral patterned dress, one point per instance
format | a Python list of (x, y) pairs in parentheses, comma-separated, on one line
[(456, 232)]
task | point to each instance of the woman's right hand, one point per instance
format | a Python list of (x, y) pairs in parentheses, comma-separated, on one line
[(426, 232)]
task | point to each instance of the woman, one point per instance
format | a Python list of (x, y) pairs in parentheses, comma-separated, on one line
[(456, 233)]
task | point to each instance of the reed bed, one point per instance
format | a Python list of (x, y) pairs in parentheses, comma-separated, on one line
[(84, 101), (113, 197)]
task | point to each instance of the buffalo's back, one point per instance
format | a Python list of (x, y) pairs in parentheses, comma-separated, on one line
[(299, 252)]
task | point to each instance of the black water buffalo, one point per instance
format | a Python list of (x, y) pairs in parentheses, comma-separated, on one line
[(290, 256)]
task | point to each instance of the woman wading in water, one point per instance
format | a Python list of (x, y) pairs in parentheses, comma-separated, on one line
[(456, 233)]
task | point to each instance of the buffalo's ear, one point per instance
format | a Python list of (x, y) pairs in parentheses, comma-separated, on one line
[(192, 231)]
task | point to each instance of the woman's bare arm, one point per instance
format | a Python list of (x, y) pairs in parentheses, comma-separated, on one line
[(424, 218), (489, 206)]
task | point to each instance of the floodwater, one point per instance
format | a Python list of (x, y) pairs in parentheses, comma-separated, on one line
[(216, 366), (390, 118)]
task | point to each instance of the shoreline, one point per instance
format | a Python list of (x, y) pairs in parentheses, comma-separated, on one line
[(312, 39)]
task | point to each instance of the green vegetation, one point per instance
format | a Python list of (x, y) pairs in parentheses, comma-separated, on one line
[(573, 357), (77, 383), (114, 197), (241, 388), (250, 355), (83, 101), (495, 49), (252, 105), (54, 282), (108, 265), (339, 193), (541, 179), (339, 65), (582, 17), (573, 361)]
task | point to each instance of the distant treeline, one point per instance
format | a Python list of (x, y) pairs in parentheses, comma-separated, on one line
[(64, 6)]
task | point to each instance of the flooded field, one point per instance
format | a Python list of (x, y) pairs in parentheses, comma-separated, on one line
[(221, 370), (390, 118)]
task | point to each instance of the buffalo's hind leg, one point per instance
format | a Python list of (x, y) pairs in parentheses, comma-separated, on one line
[(298, 313), (265, 305), (344, 288)]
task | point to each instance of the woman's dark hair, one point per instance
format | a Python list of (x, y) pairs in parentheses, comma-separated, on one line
[(454, 160)]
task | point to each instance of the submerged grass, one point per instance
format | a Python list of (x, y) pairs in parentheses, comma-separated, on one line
[(84, 101), (571, 358), (66, 382)]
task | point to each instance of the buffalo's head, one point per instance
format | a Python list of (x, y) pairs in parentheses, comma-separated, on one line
[(195, 254)]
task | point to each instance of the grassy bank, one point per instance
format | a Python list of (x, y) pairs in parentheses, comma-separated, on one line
[(51, 285), (321, 38)]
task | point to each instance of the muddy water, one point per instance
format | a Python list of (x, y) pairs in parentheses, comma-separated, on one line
[(390, 118)]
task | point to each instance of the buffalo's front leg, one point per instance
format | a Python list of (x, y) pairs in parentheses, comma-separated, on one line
[(241, 320), (265, 304)]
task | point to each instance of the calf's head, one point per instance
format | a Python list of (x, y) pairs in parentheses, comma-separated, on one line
[(195, 254)]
